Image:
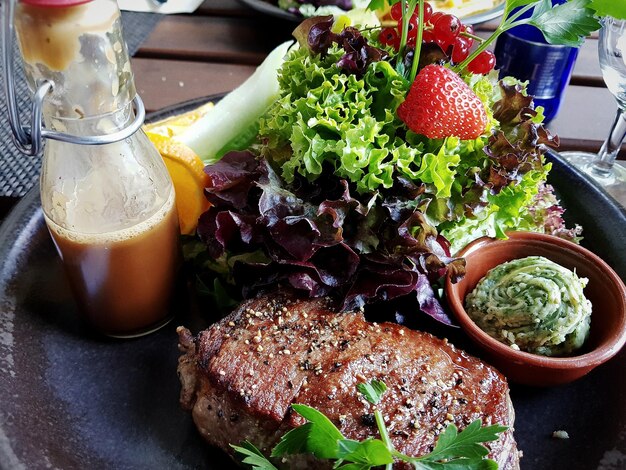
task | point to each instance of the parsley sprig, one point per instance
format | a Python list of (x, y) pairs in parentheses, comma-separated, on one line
[(454, 450), (567, 24), (613, 8)]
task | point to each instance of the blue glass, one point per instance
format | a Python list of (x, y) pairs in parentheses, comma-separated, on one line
[(523, 53)]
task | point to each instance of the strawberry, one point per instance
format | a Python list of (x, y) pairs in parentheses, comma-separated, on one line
[(440, 104)]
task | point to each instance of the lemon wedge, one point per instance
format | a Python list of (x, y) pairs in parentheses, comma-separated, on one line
[(175, 125)]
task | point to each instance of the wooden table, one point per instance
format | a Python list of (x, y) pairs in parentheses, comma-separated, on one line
[(218, 47)]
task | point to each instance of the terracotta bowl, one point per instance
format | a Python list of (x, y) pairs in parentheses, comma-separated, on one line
[(605, 290)]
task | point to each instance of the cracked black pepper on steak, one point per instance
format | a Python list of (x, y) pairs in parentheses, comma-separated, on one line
[(274, 351)]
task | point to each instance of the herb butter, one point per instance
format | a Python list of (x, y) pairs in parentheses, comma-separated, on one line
[(534, 305)]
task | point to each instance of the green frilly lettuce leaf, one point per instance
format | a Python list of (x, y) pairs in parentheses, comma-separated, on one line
[(326, 119)]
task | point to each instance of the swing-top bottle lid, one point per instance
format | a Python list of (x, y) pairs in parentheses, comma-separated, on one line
[(55, 3)]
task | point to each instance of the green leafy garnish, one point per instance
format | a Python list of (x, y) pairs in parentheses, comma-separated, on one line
[(319, 436), (452, 444), (253, 456), (372, 391), (567, 24), (364, 454), (614, 8), (376, 5)]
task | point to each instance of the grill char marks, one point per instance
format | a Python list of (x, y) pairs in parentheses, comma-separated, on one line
[(240, 376)]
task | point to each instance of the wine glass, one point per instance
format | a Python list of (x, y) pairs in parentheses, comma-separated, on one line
[(602, 167)]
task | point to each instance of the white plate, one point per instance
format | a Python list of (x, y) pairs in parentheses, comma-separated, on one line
[(271, 9)]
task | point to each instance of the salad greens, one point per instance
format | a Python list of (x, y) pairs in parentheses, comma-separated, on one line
[(339, 121), (319, 436), (336, 196), (329, 121), (320, 238)]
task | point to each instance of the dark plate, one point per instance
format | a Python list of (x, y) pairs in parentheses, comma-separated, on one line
[(71, 400), (268, 8)]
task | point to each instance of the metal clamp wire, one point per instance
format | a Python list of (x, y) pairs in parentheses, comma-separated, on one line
[(20, 136), (130, 129)]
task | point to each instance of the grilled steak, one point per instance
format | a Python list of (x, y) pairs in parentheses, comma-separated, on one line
[(240, 376)]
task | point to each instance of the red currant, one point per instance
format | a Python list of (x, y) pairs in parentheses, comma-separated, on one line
[(389, 37), (447, 28), (435, 17), (428, 36), (483, 63), (413, 25), (428, 12), (460, 49), (467, 29), (396, 11), (443, 44)]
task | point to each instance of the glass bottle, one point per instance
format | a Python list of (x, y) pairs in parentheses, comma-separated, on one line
[(109, 208), (522, 52)]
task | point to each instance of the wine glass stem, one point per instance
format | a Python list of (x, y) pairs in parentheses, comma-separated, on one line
[(603, 164)]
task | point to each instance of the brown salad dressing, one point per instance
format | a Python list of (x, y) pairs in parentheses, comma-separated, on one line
[(122, 281), (51, 36)]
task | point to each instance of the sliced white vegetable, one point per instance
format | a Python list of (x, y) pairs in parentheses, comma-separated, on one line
[(237, 110)]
